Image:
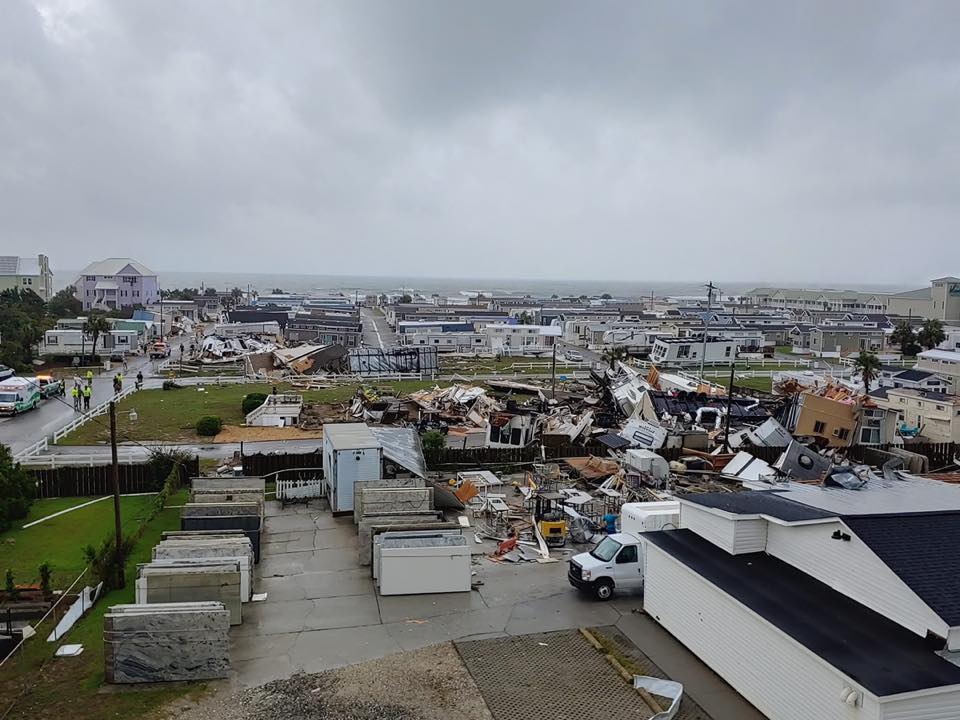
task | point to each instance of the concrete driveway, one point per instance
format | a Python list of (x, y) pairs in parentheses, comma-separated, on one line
[(322, 611)]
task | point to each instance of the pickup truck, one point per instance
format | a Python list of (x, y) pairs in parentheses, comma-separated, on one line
[(51, 386), (617, 561)]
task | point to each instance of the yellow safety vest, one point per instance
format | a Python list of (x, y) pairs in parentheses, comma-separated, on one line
[(75, 392)]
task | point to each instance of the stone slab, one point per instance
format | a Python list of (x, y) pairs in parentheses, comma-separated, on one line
[(361, 485), (220, 509), (395, 500), (370, 527), (229, 483)]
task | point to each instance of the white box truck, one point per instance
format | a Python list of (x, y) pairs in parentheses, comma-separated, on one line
[(350, 453), (617, 560)]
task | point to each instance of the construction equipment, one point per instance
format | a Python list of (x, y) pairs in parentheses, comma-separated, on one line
[(551, 518)]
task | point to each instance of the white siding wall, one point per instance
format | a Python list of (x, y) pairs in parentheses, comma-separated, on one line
[(749, 536), (781, 678), (854, 570), (716, 529), (942, 706)]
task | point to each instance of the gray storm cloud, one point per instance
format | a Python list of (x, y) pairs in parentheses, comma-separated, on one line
[(814, 142)]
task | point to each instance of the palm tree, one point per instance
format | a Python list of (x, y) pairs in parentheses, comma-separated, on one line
[(903, 336), (867, 366), (94, 326), (931, 334), (617, 352)]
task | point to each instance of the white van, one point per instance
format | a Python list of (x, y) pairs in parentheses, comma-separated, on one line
[(18, 395)]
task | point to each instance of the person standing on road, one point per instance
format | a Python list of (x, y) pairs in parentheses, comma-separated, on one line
[(139, 380), (89, 377), (75, 394), (87, 394)]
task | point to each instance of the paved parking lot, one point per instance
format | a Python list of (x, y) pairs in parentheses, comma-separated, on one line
[(322, 611)]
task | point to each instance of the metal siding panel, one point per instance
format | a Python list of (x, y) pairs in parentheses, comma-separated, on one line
[(749, 536), (944, 706), (716, 529), (781, 679), (854, 570)]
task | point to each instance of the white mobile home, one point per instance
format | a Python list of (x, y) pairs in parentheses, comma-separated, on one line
[(687, 351), (818, 602), (76, 342)]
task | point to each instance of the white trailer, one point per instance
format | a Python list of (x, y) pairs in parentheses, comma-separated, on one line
[(350, 453)]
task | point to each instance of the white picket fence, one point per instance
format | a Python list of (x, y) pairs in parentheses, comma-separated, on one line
[(31, 450), (101, 409), (307, 485)]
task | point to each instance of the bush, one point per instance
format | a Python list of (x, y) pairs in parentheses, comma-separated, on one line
[(44, 571), (10, 587), (252, 401), (171, 385), (104, 560), (16, 490), (433, 440), (209, 425)]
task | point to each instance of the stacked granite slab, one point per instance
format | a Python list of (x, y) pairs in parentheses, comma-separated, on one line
[(166, 642), (373, 525), (222, 504), (206, 549), (392, 501), (361, 485), (210, 581)]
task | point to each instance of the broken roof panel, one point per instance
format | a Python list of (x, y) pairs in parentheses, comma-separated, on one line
[(402, 446)]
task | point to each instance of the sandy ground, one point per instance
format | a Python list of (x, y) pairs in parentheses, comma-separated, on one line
[(235, 433), (427, 684)]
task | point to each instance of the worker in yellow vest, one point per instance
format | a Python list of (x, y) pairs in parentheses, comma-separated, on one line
[(87, 394), (89, 377), (75, 393)]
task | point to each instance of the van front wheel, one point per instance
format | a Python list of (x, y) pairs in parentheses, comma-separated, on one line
[(603, 590)]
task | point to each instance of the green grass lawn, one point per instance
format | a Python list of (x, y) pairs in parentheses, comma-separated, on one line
[(70, 687), (170, 415), (754, 383), (60, 541)]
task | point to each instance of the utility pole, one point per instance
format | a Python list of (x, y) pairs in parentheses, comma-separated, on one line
[(726, 433), (706, 324), (116, 494), (553, 369)]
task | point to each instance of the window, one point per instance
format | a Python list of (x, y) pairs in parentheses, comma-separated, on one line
[(683, 351), (91, 278), (53, 340), (819, 427), (842, 433), (627, 555), (726, 352)]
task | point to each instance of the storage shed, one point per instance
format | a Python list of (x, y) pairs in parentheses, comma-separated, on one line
[(350, 453)]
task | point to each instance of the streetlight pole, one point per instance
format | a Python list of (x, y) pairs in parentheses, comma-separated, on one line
[(726, 432)]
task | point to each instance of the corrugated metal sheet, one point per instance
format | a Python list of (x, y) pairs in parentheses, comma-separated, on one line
[(349, 436), (402, 445), (749, 536)]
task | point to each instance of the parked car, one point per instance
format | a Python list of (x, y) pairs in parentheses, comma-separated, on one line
[(5, 372), (573, 355)]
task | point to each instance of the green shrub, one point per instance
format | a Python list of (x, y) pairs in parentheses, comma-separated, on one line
[(433, 440), (16, 490), (44, 571), (252, 401), (209, 425), (105, 560), (10, 587)]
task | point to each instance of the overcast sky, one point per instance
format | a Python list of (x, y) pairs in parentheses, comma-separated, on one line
[(808, 142)]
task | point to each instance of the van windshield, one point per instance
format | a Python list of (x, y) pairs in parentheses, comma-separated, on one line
[(606, 550), (8, 397)]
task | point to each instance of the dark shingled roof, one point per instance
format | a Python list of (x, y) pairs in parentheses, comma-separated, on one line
[(884, 657), (922, 549), (756, 502), (913, 375)]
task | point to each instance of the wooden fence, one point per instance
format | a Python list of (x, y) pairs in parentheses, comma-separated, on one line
[(259, 465), (940, 454), (83, 480)]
